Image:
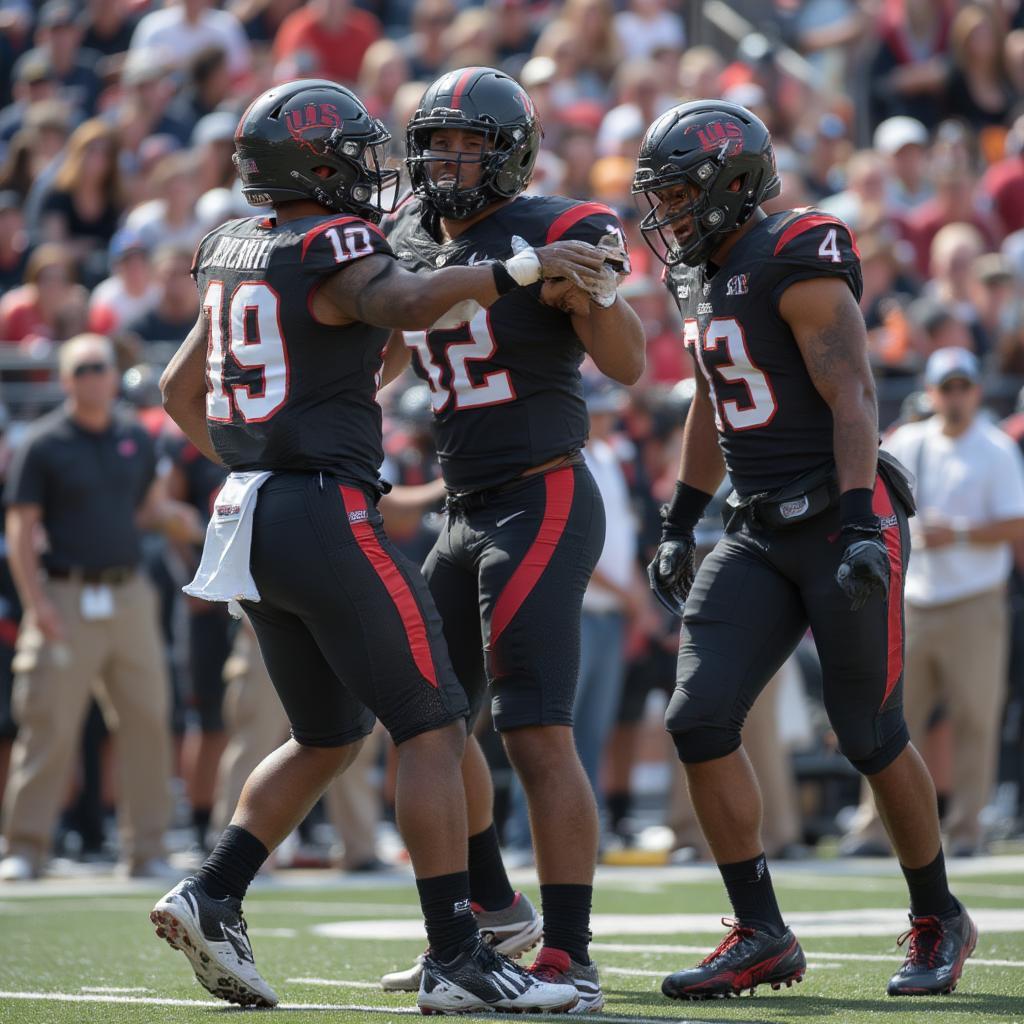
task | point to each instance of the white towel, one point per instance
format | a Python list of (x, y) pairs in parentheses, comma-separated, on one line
[(223, 573)]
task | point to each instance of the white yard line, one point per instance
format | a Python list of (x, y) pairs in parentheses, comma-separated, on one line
[(273, 933), (110, 989), (334, 982), (71, 997), (630, 947)]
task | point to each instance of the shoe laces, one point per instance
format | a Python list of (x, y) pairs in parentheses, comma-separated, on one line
[(737, 932), (925, 934)]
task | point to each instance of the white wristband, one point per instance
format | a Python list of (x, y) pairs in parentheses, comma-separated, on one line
[(524, 267)]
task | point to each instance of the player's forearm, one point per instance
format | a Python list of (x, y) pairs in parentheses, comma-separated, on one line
[(421, 302), (701, 464), (1000, 531), (855, 437), (616, 341), (189, 412)]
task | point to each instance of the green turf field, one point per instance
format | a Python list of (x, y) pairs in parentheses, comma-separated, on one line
[(85, 951)]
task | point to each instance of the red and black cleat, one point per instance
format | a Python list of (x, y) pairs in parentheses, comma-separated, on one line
[(745, 959), (935, 959)]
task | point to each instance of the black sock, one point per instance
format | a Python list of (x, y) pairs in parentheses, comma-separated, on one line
[(566, 910), (446, 911), (618, 808), (233, 863), (929, 889), (201, 823), (751, 894), (488, 882)]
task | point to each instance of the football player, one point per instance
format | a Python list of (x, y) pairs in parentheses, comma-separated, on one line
[(525, 520), (816, 533), (280, 374)]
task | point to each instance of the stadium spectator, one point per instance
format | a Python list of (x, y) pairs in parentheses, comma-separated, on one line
[(910, 68), (170, 216), (903, 141), (979, 92), (615, 595), (862, 203), (425, 44), (13, 241), (81, 208), (86, 476), (107, 26), (130, 291), (647, 26), (33, 80), (969, 488), (470, 39), (262, 19), (212, 150), (954, 201), (59, 40), (207, 86), (825, 152), (334, 32), (384, 69), (592, 25), (1003, 183), (48, 305), (514, 32), (184, 27), (954, 250), (178, 302)]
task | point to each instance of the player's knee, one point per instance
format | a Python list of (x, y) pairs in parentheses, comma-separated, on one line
[(868, 751), (696, 739)]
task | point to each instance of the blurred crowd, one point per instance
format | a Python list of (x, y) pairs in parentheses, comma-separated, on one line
[(903, 117)]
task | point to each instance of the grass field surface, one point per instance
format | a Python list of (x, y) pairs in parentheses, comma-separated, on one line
[(84, 950)]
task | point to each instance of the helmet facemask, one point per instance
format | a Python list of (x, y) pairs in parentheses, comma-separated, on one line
[(719, 207), (449, 197)]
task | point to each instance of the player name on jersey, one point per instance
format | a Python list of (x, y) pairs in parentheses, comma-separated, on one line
[(240, 254)]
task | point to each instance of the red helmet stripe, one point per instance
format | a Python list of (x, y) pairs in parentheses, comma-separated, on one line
[(460, 86)]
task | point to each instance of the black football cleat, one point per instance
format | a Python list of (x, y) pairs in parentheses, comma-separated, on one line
[(939, 946), (745, 959)]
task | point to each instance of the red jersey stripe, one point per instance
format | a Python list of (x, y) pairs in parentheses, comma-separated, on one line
[(335, 222), (572, 216), (881, 505), (392, 578), (559, 487), (802, 224)]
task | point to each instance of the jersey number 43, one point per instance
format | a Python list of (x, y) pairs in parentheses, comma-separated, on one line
[(736, 368)]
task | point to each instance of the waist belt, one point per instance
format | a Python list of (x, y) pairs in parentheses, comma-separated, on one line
[(773, 511), (461, 502), (113, 576)]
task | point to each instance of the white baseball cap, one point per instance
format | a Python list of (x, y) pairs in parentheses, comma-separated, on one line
[(896, 132), (949, 363)]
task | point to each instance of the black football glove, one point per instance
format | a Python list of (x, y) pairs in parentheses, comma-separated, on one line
[(864, 569), (672, 571)]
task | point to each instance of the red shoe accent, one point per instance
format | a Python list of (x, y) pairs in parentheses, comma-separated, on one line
[(477, 909), (551, 963)]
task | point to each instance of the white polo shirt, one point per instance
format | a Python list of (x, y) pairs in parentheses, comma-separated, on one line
[(620, 541), (969, 480)]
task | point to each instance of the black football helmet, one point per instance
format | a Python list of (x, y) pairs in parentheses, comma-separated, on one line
[(292, 130), (481, 100), (722, 149)]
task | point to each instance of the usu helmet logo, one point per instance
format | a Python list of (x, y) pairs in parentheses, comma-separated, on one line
[(310, 117), (737, 285), (726, 136)]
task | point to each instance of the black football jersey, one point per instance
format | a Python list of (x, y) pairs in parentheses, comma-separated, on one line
[(284, 391), (772, 424), (505, 381)]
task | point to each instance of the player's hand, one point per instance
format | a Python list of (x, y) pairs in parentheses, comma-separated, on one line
[(565, 296), (937, 535), (672, 571), (864, 569), (579, 262)]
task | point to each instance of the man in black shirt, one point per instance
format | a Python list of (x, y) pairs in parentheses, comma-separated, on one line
[(175, 313), (86, 476)]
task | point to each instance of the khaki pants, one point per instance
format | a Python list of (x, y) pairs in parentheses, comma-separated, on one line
[(780, 825), (957, 655), (256, 725), (120, 660)]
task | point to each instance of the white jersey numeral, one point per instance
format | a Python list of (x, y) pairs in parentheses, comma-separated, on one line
[(355, 242), (255, 343), (829, 248), (761, 406), (495, 387)]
